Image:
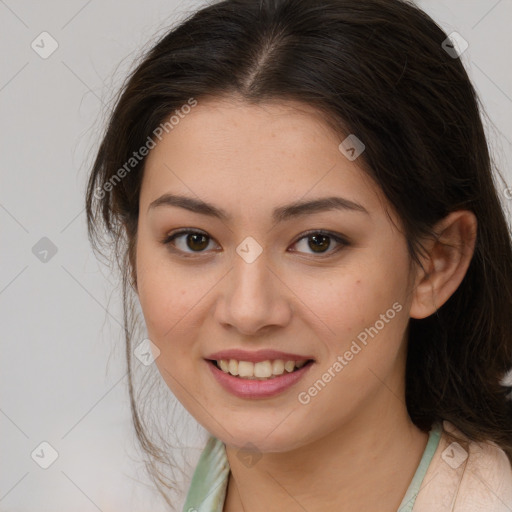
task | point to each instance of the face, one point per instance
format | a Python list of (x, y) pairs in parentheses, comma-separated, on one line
[(255, 272)]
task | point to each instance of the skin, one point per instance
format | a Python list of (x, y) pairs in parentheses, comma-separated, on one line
[(353, 446)]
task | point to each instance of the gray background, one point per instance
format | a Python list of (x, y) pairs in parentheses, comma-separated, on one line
[(62, 366)]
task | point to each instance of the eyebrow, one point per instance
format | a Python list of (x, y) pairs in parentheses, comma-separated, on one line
[(279, 214)]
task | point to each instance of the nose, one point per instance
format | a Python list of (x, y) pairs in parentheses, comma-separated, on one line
[(253, 298)]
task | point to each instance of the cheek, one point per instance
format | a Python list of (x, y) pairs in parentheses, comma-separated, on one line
[(166, 295), (168, 302), (367, 319), (367, 303), (348, 302)]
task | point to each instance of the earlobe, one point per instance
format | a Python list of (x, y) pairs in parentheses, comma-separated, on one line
[(445, 262)]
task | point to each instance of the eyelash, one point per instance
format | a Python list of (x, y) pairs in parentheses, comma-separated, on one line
[(172, 236)]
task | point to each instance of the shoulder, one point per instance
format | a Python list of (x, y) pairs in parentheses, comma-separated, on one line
[(466, 476)]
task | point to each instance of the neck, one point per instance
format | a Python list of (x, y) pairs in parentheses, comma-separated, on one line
[(366, 464)]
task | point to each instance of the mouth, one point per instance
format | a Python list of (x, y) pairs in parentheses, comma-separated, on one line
[(263, 379)]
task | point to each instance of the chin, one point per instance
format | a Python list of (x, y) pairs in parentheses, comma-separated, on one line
[(260, 437)]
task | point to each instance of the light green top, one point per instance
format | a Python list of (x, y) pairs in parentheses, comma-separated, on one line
[(207, 491)]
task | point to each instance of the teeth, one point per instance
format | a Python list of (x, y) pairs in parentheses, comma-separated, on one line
[(260, 371), (289, 366), (277, 367), (263, 369), (232, 367), (245, 369)]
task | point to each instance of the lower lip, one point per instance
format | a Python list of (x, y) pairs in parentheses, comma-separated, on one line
[(252, 388)]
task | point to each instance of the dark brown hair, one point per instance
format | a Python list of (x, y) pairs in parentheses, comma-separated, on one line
[(377, 69)]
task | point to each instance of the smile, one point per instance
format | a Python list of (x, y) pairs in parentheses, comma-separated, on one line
[(247, 380)]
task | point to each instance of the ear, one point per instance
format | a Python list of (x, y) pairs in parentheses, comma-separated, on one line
[(445, 262)]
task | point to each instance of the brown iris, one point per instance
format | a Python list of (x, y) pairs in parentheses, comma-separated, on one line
[(324, 244), (197, 241)]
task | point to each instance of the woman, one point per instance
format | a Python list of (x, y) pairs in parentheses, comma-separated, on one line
[(301, 197)]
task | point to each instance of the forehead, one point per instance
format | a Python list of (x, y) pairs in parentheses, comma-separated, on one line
[(231, 124), (256, 154)]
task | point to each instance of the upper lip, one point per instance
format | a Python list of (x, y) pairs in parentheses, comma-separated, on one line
[(256, 356)]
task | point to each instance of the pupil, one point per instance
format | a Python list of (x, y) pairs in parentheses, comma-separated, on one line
[(193, 238), (321, 246)]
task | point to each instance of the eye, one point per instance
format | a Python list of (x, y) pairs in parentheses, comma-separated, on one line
[(320, 241), (196, 241)]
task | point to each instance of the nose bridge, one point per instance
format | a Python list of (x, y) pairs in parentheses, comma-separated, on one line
[(251, 273), (253, 299)]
